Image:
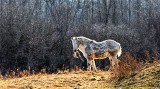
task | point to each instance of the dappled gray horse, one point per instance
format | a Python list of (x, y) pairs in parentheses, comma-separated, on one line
[(92, 50)]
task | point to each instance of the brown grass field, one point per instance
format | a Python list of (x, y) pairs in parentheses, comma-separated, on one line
[(147, 78), (65, 80), (130, 75)]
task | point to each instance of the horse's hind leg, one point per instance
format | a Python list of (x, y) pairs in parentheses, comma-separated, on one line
[(117, 65), (115, 62), (112, 63)]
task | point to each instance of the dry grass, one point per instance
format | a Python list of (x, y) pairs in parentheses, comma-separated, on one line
[(128, 66), (61, 80), (147, 78), (130, 74)]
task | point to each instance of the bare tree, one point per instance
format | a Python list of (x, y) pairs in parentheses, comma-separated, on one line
[(35, 34)]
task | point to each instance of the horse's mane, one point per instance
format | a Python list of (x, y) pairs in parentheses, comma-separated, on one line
[(84, 39)]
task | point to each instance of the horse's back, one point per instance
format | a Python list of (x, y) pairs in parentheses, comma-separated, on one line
[(112, 44)]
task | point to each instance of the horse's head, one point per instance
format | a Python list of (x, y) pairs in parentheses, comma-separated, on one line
[(75, 46)]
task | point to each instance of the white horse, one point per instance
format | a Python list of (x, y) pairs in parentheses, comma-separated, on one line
[(92, 50)]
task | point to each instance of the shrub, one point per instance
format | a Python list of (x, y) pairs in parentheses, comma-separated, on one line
[(128, 66)]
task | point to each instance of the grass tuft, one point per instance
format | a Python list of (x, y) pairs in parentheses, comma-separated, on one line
[(128, 66)]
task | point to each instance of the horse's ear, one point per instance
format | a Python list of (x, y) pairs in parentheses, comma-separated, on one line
[(71, 38)]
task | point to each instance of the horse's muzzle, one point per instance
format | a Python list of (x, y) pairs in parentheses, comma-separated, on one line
[(75, 50), (75, 54)]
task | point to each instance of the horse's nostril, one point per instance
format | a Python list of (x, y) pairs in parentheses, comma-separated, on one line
[(74, 50)]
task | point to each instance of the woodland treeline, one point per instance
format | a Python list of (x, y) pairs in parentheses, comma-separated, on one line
[(35, 34)]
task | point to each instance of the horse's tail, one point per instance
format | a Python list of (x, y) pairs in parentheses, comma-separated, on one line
[(119, 51)]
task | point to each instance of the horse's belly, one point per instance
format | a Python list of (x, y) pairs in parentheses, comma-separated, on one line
[(100, 56)]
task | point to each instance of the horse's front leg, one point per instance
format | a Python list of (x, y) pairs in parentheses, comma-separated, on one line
[(89, 64), (94, 65)]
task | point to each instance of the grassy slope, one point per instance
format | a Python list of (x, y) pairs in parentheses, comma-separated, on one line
[(148, 77), (67, 80)]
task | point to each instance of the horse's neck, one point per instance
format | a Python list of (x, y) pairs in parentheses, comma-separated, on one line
[(82, 49), (83, 45)]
